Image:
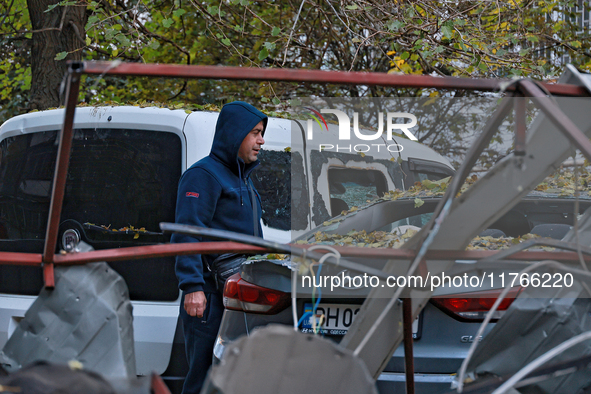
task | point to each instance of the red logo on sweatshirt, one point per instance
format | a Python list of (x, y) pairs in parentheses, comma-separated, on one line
[(192, 194)]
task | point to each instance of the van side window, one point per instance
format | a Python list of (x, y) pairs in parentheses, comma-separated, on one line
[(275, 181), (319, 160), (419, 169), (121, 184), (354, 187)]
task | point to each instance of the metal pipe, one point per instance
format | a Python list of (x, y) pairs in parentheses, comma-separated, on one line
[(62, 163), (157, 385), (409, 367), (314, 76), (14, 258), (154, 251), (60, 175), (164, 250)]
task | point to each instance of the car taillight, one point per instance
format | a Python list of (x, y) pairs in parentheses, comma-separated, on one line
[(240, 295), (474, 306)]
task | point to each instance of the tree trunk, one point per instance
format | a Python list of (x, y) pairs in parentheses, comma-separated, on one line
[(59, 30)]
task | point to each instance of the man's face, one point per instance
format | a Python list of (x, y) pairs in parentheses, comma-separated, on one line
[(251, 145)]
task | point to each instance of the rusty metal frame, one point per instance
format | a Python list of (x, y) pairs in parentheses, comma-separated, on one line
[(76, 69), (522, 88), (409, 368), (316, 76)]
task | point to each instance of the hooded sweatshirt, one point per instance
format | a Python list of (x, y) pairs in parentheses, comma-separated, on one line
[(215, 193)]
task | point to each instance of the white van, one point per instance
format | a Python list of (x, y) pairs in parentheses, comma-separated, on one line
[(124, 168)]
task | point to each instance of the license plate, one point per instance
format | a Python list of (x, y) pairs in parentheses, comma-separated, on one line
[(335, 319)]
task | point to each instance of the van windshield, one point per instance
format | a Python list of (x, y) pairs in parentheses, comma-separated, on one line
[(121, 184)]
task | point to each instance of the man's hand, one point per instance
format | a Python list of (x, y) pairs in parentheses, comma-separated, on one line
[(195, 303)]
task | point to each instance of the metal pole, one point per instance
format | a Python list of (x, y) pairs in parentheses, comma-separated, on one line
[(16, 258), (61, 170), (315, 76), (409, 367), (164, 250)]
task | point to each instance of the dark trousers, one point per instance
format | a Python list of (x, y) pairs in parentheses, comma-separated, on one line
[(200, 336)]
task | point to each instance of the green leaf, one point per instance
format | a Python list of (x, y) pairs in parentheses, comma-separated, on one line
[(91, 21), (414, 57), (405, 55), (352, 7), (226, 42), (440, 49), (447, 31), (88, 41), (483, 67), (269, 45), (178, 13), (524, 52), (264, 99), (276, 101), (459, 22), (244, 2), (395, 25), (429, 184), (109, 34), (213, 9), (167, 22), (123, 40), (263, 54), (418, 202), (295, 102), (532, 38), (61, 56), (51, 7), (501, 52), (275, 32), (576, 44), (154, 44), (238, 28)]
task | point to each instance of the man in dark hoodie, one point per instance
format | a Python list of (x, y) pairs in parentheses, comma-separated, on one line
[(215, 192)]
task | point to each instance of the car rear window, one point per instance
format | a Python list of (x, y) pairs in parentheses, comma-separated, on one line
[(121, 184)]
